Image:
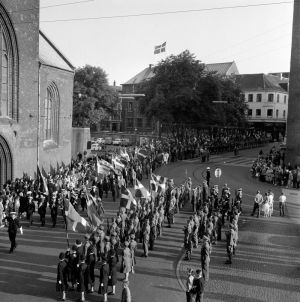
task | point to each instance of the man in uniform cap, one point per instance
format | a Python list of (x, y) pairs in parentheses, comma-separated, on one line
[(13, 226), (62, 279)]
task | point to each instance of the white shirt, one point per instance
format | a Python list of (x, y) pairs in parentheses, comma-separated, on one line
[(189, 283), (282, 198)]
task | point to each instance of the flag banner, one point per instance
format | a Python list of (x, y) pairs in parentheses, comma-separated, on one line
[(93, 211), (101, 169), (127, 201), (160, 182), (44, 185), (108, 165), (118, 164), (160, 48), (153, 184), (142, 154), (74, 221), (124, 155), (140, 190)]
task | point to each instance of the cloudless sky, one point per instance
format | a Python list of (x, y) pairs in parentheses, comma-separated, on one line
[(258, 39)]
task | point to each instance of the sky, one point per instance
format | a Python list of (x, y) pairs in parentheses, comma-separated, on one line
[(257, 38)]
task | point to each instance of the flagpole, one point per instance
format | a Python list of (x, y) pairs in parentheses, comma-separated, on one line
[(66, 224)]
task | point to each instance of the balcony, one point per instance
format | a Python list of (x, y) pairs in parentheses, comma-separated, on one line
[(267, 119)]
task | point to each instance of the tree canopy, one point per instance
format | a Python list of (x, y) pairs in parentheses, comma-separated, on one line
[(93, 98), (182, 91)]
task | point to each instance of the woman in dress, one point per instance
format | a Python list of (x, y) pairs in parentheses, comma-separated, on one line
[(265, 206), (126, 264)]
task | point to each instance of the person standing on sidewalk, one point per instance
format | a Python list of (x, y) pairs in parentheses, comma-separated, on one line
[(258, 200), (198, 286), (282, 200), (189, 285)]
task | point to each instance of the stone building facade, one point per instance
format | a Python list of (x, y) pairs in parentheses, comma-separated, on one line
[(36, 94)]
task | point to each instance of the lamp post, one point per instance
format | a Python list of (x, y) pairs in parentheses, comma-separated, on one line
[(135, 135)]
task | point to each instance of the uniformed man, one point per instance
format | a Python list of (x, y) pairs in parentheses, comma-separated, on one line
[(208, 175), (62, 276), (205, 256), (230, 238), (146, 237), (13, 226)]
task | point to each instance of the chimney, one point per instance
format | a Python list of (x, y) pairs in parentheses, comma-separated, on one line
[(150, 66), (114, 83)]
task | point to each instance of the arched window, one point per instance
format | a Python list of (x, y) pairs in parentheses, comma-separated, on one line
[(51, 122), (8, 68)]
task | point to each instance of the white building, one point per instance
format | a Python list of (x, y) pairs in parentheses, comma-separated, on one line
[(267, 100)]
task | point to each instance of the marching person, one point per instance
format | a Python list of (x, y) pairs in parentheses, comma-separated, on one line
[(13, 226), (42, 206), (189, 285), (62, 279), (126, 294), (198, 286), (30, 210), (208, 175), (258, 200), (282, 200)]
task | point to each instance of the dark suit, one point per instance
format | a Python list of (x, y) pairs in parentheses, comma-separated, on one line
[(198, 285), (62, 276), (13, 225)]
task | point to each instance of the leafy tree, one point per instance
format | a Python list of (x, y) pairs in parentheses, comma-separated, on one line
[(93, 99), (182, 91)]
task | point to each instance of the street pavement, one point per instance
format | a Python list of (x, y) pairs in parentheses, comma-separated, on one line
[(265, 268)]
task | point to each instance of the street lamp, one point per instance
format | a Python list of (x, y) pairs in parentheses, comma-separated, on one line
[(135, 131)]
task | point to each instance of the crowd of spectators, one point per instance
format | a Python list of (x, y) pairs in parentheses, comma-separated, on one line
[(270, 167)]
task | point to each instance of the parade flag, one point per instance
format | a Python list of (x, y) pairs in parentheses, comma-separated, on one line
[(92, 211), (118, 164), (160, 182), (44, 184), (125, 155), (74, 221), (142, 154), (127, 201), (108, 165), (153, 184), (101, 169), (140, 190), (160, 48)]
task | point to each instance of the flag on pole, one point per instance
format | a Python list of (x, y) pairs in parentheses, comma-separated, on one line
[(140, 190), (141, 154), (44, 185), (118, 164), (127, 201), (92, 211), (107, 165), (153, 184), (74, 221), (160, 182), (160, 48), (125, 155), (101, 169)]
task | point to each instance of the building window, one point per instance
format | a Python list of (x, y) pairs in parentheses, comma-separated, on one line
[(139, 123), (278, 98), (250, 97), (129, 122), (130, 106), (269, 112), (283, 113), (270, 97), (249, 112), (284, 100), (51, 121), (9, 68), (258, 112), (277, 113), (258, 97)]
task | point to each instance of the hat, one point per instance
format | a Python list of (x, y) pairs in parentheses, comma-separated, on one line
[(208, 168), (240, 189), (132, 236), (13, 213), (29, 192), (61, 255), (78, 242)]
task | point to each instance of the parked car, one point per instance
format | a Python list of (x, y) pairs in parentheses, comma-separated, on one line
[(117, 142), (125, 142), (95, 147), (100, 140), (108, 141)]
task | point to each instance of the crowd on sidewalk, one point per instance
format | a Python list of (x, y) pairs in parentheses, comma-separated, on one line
[(271, 167)]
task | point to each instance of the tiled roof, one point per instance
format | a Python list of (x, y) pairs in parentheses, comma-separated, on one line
[(144, 75), (260, 81), (51, 56), (220, 68)]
